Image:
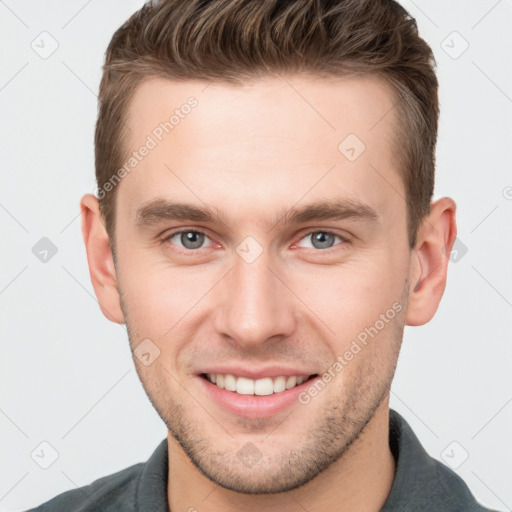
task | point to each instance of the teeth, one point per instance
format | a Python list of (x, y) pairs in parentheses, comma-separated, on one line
[(279, 384), (263, 387), (260, 387), (291, 382), (245, 386), (230, 383)]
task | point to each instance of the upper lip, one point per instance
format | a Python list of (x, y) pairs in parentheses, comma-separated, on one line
[(255, 373)]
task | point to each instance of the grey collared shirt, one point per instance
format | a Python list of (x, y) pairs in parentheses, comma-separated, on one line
[(421, 483)]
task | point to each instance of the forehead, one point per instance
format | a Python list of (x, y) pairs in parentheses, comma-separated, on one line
[(265, 107), (295, 135)]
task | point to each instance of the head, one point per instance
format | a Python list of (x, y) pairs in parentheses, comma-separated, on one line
[(265, 174)]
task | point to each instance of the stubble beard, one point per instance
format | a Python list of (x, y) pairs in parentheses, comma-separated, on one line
[(343, 420)]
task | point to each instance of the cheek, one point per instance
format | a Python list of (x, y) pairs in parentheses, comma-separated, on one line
[(365, 312), (352, 296), (157, 296)]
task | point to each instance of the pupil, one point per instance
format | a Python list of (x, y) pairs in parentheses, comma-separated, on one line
[(322, 240), (192, 240)]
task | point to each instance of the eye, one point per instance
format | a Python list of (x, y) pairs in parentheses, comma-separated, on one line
[(187, 239), (320, 240)]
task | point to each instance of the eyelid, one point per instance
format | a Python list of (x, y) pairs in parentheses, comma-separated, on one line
[(344, 239), (169, 234), (177, 231)]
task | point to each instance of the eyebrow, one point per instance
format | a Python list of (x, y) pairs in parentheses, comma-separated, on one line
[(160, 210)]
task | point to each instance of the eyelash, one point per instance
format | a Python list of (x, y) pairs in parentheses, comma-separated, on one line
[(168, 237)]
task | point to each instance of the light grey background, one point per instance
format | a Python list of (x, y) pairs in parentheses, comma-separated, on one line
[(67, 377)]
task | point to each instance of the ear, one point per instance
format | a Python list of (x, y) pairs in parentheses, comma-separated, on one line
[(429, 264), (100, 259)]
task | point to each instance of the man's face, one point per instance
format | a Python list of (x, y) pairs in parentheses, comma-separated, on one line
[(254, 290)]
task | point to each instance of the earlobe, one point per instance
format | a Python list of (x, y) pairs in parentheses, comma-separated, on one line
[(100, 259), (430, 258)]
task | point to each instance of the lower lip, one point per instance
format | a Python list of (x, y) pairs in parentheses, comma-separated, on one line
[(254, 406)]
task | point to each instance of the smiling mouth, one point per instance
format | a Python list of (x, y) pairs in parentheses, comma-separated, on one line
[(260, 387)]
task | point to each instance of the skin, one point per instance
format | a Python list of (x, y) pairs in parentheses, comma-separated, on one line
[(255, 152)]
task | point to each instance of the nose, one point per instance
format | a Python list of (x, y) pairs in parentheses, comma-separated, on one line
[(254, 304)]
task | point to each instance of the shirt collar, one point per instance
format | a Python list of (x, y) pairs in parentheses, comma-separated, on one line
[(420, 483)]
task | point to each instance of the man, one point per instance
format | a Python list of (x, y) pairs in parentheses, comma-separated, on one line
[(264, 227)]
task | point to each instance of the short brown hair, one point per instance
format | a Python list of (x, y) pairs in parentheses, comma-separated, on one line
[(239, 40)]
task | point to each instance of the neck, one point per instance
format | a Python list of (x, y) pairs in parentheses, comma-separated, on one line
[(359, 481)]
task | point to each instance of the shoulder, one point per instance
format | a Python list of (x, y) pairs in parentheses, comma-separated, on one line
[(142, 486), (453, 491), (112, 492), (421, 482)]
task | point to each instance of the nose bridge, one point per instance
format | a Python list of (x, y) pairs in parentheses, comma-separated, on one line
[(255, 305)]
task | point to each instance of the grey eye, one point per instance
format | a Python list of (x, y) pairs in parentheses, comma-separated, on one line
[(189, 239), (319, 240), (322, 240)]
